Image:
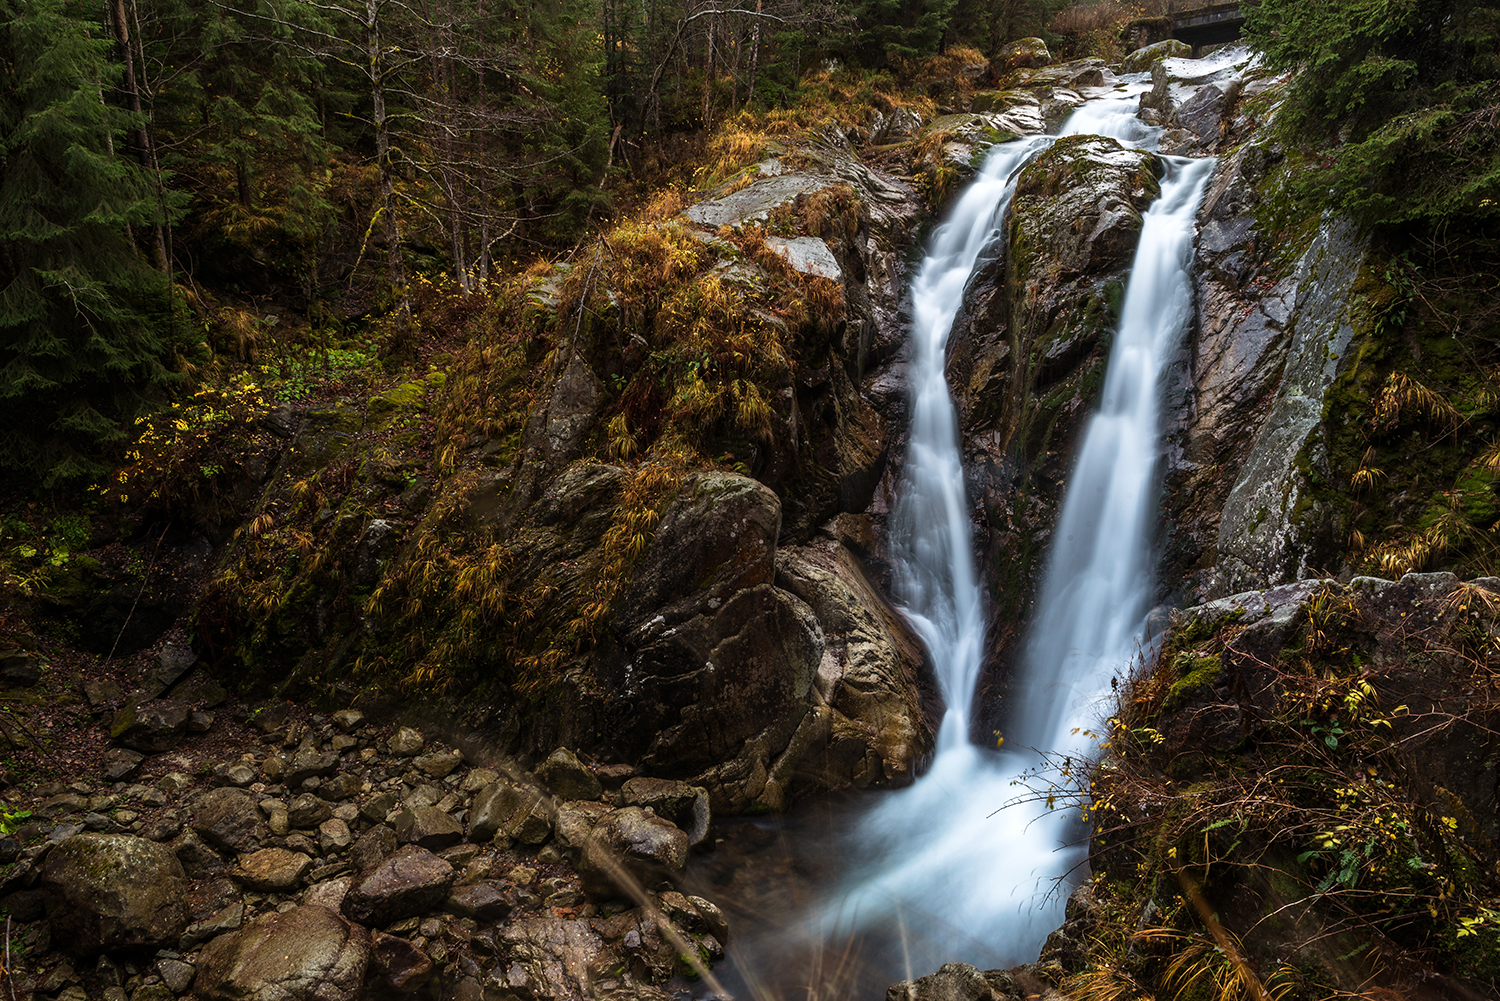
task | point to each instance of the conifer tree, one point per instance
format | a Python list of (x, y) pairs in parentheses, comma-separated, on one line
[(81, 310)]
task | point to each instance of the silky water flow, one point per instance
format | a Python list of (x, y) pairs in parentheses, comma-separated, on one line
[(968, 863)]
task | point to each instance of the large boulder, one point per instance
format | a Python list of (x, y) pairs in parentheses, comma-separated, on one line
[(1175, 81), (716, 663), (409, 882), (717, 538), (1023, 53), (152, 727), (868, 676), (1078, 208), (731, 684), (1144, 58), (630, 849), (229, 820), (307, 954), (1074, 76), (113, 891)]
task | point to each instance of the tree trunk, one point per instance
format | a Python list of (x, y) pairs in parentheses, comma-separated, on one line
[(139, 139), (395, 267), (708, 71), (754, 55)]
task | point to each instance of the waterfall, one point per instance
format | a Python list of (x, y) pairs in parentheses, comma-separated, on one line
[(964, 865), (935, 580), (950, 874)]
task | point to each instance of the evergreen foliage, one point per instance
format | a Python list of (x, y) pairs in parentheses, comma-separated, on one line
[(316, 154), (81, 312), (241, 122), (900, 29), (1411, 87)]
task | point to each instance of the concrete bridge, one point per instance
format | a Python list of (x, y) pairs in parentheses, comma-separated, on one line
[(1207, 25)]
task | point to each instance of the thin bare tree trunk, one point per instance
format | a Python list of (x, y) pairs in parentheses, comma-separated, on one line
[(140, 140), (754, 55), (395, 267), (708, 71)]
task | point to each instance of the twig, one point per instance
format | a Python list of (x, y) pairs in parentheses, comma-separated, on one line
[(146, 577)]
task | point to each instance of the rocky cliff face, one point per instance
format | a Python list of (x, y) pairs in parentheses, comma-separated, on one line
[(632, 514), (1275, 331), (1030, 350)]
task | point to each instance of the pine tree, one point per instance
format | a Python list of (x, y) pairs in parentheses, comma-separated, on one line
[(239, 108), (899, 29), (81, 311)]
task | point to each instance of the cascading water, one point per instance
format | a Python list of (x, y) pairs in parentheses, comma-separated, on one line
[(940, 871)]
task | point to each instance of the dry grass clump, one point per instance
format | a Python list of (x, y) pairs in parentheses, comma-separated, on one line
[(1093, 28), (945, 76)]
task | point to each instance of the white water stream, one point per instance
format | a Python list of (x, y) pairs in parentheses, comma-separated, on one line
[(959, 880), (964, 865), (965, 881)]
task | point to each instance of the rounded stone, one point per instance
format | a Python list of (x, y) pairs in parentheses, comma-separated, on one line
[(309, 953), (631, 846), (410, 881), (406, 742)]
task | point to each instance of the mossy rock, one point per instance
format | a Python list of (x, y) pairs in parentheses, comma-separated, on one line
[(404, 397), (999, 101), (1066, 193), (1193, 672), (1141, 60), (1023, 53), (1472, 497), (334, 419)]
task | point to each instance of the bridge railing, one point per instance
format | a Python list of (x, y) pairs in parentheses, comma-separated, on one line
[(1210, 12)]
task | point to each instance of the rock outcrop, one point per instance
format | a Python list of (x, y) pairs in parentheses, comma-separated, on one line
[(1329, 748), (610, 543), (1030, 348)]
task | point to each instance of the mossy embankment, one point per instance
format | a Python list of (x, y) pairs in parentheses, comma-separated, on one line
[(1298, 797)]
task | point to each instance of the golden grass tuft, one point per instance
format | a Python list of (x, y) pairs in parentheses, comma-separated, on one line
[(1402, 397)]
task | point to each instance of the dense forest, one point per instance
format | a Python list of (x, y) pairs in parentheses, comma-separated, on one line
[(166, 164)]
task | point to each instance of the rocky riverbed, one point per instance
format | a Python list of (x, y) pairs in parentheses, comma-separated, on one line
[(329, 856)]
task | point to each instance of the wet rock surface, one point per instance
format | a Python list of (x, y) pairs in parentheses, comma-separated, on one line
[(1246, 401), (307, 952), (1029, 350)]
